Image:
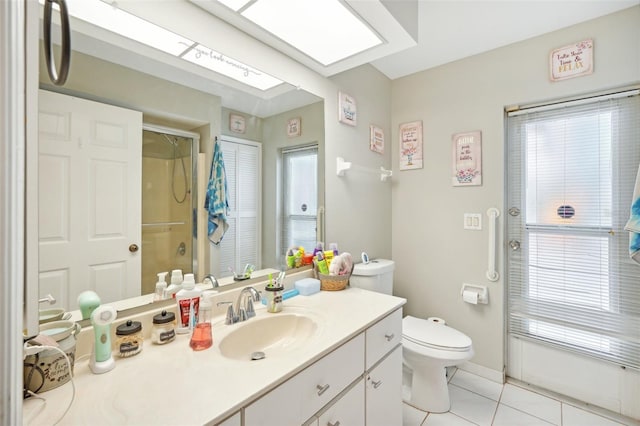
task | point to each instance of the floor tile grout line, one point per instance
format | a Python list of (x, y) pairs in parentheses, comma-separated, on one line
[(475, 393), (532, 415), (493, 418)]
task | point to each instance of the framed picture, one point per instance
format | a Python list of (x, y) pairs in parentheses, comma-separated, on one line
[(410, 145), (376, 139), (467, 158), (294, 127), (571, 61), (237, 123), (347, 112)]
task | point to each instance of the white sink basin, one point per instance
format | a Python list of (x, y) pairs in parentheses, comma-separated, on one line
[(267, 336)]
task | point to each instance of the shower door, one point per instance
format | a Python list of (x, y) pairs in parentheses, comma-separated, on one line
[(168, 202)]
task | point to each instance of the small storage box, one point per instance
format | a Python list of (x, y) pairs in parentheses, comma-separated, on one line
[(307, 286)]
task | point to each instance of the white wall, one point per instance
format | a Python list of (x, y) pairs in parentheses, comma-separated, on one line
[(434, 255)]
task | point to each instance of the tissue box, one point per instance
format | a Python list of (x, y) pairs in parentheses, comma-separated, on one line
[(307, 286)]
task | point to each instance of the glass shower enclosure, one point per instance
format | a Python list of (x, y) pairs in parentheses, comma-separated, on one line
[(169, 200)]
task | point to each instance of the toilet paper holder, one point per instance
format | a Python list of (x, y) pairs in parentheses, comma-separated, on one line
[(475, 294)]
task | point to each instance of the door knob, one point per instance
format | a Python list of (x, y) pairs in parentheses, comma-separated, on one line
[(514, 244), (133, 248)]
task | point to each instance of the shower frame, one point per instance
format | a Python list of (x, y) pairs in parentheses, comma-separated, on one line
[(193, 188)]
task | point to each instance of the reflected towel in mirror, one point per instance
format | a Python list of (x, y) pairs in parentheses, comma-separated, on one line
[(216, 201)]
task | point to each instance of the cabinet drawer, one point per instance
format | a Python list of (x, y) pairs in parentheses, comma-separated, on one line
[(348, 410), (382, 337), (299, 398)]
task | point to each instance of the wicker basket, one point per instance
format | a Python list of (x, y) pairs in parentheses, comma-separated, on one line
[(331, 282)]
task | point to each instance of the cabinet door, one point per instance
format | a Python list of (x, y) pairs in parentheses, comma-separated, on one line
[(348, 410), (384, 391)]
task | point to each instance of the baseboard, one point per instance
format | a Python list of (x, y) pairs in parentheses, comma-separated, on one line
[(482, 371)]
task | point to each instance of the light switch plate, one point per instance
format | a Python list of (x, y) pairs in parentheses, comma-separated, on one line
[(473, 221)]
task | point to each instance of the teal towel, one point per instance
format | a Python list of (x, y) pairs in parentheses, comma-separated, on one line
[(216, 201), (633, 225)]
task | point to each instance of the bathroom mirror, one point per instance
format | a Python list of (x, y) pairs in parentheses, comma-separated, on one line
[(184, 108)]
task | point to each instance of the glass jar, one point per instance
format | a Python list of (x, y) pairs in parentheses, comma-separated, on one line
[(129, 338), (164, 328)]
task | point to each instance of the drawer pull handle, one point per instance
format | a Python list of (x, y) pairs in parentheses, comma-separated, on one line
[(377, 384), (334, 424), (389, 336), (322, 389)]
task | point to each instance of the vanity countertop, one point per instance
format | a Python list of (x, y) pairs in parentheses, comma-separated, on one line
[(173, 385)]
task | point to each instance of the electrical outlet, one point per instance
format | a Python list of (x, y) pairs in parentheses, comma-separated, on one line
[(473, 221)]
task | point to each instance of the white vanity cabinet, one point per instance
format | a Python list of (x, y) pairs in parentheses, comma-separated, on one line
[(299, 398), (358, 383), (234, 420)]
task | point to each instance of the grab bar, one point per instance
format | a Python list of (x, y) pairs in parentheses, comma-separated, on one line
[(492, 274)]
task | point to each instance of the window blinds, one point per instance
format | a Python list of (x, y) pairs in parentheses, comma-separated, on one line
[(570, 172)]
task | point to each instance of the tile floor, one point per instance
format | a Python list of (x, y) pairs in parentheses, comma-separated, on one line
[(481, 402)]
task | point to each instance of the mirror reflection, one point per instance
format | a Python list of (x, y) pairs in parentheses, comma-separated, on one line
[(151, 211)]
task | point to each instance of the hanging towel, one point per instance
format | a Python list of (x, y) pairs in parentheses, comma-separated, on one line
[(633, 225), (216, 201)]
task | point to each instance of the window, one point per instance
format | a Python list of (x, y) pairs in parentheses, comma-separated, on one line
[(571, 171), (300, 198)]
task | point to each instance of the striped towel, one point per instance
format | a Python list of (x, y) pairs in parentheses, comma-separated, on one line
[(633, 225), (216, 201)]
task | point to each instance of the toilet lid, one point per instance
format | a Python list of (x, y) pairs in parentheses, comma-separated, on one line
[(434, 335)]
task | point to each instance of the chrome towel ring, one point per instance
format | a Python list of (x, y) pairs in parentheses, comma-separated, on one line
[(58, 77)]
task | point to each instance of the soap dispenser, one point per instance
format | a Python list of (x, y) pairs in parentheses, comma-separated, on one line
[(161, 287)]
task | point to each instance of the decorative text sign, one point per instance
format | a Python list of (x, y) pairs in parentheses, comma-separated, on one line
[(572, 61), (467, 158), (411, 145)]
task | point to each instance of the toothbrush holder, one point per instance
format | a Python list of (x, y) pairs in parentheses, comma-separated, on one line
[(274, 299)]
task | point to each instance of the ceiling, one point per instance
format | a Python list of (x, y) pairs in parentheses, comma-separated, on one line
[(422, 34), (453, 29)]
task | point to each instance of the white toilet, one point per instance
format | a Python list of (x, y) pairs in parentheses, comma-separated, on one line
[(427, 347)]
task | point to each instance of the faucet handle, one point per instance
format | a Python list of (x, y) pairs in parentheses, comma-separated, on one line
[(242, 314), (231, 317), (250, 311)]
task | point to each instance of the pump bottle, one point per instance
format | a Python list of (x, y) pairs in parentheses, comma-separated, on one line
[(161, 287)]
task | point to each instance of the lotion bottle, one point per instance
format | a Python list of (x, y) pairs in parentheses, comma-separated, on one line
[(188, 300)]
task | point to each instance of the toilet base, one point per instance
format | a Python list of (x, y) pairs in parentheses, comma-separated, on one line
[(429, 391)]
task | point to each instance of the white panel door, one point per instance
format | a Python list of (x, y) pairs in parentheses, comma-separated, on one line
[(89, 200)]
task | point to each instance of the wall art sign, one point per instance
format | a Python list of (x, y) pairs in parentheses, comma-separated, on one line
[(571, 61), (376, 139), (347, 112), (467, 158), (237, 123), (410, 145), (294, 127)]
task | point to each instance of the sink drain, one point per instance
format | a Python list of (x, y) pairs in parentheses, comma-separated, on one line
[(257, 355)]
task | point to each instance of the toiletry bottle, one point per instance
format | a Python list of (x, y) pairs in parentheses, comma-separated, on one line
[(188, 300), (176, 284), (161, 287), (322, 264), (202, 338)]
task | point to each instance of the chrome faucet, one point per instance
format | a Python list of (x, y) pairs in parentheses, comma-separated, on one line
[(214, 281), (247, 311)]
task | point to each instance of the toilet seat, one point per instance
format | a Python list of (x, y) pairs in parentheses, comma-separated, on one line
[(434, 335)]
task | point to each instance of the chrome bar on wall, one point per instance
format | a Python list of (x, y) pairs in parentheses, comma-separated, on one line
[(492, 273)]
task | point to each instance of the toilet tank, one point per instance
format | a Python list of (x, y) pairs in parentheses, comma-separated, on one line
[(376, 275)]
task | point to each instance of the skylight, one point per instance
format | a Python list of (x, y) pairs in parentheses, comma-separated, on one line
[(111, 18), (325, 30)]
